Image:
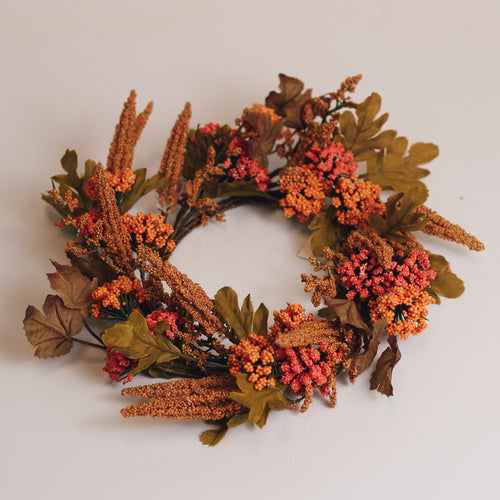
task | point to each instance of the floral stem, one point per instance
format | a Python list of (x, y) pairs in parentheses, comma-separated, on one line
[(94, 334)]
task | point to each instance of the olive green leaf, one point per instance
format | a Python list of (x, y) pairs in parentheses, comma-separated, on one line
[(288, 103), (259, 402), (347, 312), (387, 161), (396, 169), (362, 135), (446, 283), (401, 214), (74, 288), (51, 332), (133, 338), (142, 186), (381, 377), (242, 320), (214, 436), (327, 232), (195, 156)]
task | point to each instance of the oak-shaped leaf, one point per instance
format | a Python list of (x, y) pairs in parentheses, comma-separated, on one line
[(288, 103), (347, 312), (363, 361), (242, 321), (388, 163), (260, 402), (74, 288), (51, 332), (446, 283), (381, 377), (214, 436), (395, 168), (327, 232), (402, 214), (133, 339), (362, 134)]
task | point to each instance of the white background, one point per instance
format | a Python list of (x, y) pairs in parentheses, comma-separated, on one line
[(66, 69)]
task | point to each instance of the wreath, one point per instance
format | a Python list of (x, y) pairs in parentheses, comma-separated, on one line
[(227, 365)]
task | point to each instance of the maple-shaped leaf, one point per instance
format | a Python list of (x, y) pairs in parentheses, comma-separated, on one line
[(74, 288), (260, 146), (259, 402), (288, 103), (347, 312), (242, 321), (402, 214), (381, 377), (51, 332), (133, 338)]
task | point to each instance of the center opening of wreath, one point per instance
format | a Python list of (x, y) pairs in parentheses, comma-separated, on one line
[(255, 251)]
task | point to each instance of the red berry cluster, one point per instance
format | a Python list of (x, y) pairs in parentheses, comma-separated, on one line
[(306, 367), (118, 366), (362, 274), (171, 318)]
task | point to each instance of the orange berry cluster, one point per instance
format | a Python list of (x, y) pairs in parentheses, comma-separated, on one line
[(260, 108), (305, 192), (121, 181), (109, 294), (150, 229), (255, 356), (356, 200), (286, 319), (404, 308)]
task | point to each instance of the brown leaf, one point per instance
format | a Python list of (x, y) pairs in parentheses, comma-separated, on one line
[(74, 288), (50, 333), (347, 312), (288, 103), (259, 147), (363, 361), (381, 377)]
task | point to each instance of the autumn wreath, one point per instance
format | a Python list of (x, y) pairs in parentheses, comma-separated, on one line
[(228, 366)]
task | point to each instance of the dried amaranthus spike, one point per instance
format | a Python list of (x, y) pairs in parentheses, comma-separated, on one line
[(198, 307), (127, 133), (173, 159), (444, 229), (115, 236), (207, 398)]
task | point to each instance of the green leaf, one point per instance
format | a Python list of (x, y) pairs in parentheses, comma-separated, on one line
[(260, 319), (259, 402), (214, 436), (69, 163), (226, 305), (446, 283), (51, 332), (247, 313), (327, 232), (388, 163), (195, 156), (401, 214), (133, 338), (142, 186)]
